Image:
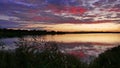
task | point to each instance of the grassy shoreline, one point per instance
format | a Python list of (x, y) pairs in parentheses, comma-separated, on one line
[(30, 56)]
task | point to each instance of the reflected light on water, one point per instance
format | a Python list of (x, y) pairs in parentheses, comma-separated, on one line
[(101, 38)]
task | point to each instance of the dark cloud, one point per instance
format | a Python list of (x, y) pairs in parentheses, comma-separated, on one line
[(8, 24)]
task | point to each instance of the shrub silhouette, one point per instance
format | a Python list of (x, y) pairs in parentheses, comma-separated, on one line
[(109, 59)]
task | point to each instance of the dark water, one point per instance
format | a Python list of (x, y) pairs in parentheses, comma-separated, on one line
[(85, 46)]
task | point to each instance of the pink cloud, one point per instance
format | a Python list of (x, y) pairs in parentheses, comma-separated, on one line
[(70, 9), (114, 9), (77, 10)]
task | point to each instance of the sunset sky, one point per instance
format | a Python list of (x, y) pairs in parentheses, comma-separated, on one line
[(61, 15)]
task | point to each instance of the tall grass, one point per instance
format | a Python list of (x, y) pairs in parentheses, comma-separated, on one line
[(31, 54)]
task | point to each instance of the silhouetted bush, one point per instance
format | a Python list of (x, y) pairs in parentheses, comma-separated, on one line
[(109, 59)]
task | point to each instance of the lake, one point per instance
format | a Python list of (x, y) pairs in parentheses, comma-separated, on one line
[(84, 46)]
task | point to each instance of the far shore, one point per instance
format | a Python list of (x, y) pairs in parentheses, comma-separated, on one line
[(13, 33)]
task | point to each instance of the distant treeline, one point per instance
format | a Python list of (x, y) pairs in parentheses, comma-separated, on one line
[(13, 33)]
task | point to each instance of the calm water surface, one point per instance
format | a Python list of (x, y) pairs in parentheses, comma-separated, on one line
[(85, 46)]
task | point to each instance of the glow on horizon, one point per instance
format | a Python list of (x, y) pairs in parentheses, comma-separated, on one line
[(113, 27), (86, 27)]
